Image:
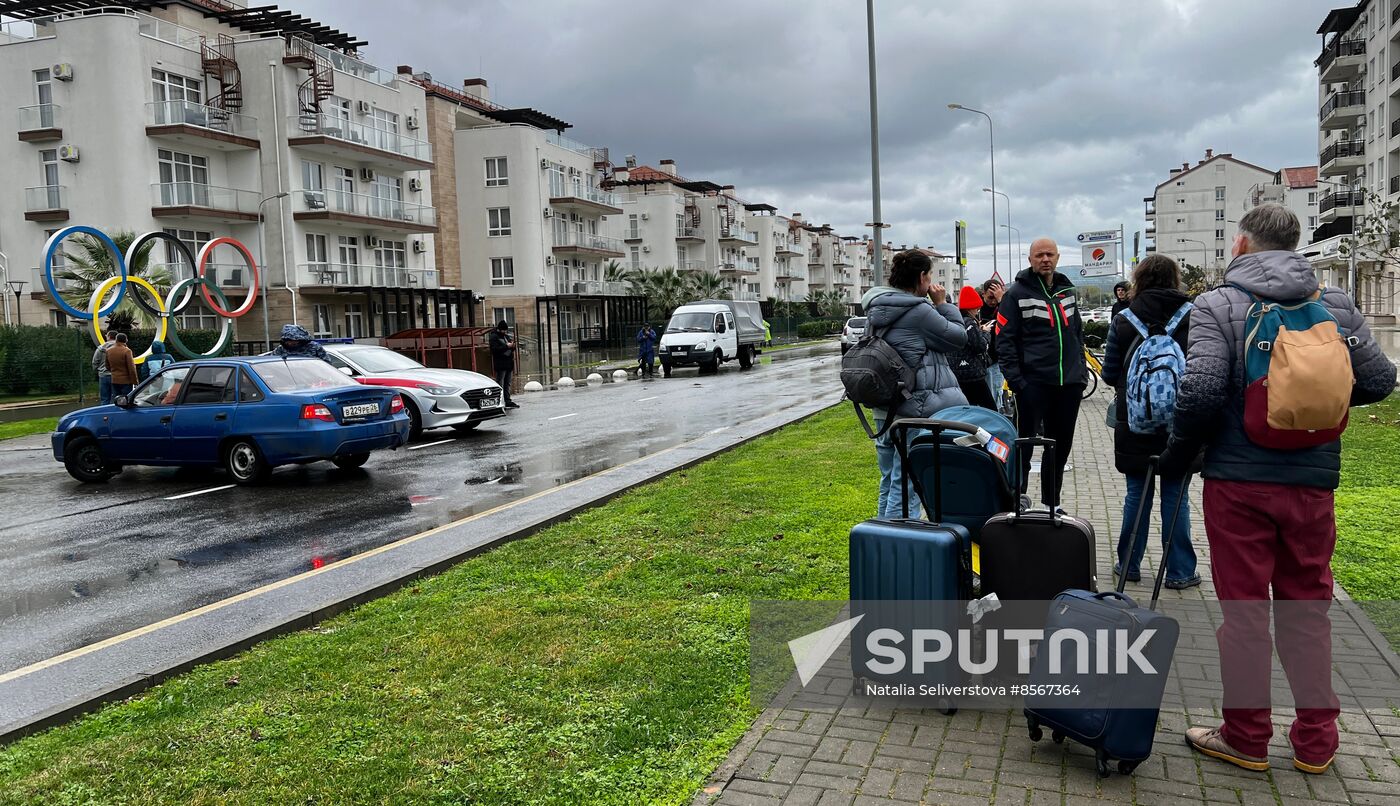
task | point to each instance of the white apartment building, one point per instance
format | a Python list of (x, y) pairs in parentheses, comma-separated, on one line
[(1296, 189), (192, 117), (1193, 216), (782, 271), (1358, 74)]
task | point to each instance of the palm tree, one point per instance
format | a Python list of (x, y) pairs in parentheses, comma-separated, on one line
[(707, 285), (614, 272), (92, 264), (826, 303), (665, 290)]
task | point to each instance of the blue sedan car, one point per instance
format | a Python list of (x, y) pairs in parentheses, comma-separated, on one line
[(247, 414)]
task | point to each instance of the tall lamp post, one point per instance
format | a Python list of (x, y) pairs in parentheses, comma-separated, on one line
[(17, 286), (1010, 269), (262, 255), (877, 263), (992, 150), (1009, 229), (1203, 249)]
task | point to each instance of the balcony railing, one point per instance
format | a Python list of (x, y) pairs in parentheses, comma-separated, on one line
[(211, 197), (185, 113), (790, 273), (1343, 148), (610, 288), (40, 116), (36, 278), (559, 188), (692, 265), (1341, 198), (587, 240), (736, 234), (360, 204), (363, 134), (371, 276), (226, 275), (1151, 209), (1336, 48), (46, 197), (690, 232), (1342, 99), (744, 296), (555, 138)]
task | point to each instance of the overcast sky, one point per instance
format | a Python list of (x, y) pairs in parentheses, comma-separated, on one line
[(1093, 100)]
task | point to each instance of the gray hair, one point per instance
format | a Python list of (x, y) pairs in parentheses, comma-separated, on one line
[(1271, 227)]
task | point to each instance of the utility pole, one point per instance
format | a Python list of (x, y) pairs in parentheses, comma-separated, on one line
[(877, 266)]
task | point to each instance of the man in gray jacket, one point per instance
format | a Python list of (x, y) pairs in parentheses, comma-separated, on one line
[(104, 375), (1269, 513)]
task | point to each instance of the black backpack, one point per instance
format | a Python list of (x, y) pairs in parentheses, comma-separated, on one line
[(875, 375), (970, 365)]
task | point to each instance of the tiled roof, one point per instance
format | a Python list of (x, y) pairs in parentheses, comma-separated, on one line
[(646, 173), (1304, 177)]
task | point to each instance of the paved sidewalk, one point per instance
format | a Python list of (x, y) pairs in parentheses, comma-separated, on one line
[(849, 751)]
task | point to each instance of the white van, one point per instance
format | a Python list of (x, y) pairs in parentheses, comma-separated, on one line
[(710, 332)]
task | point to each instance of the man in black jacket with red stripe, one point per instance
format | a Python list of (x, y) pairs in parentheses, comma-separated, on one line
[(1040, 346)]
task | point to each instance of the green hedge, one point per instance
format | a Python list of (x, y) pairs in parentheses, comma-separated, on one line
[(820, 327), (57, 360), (1098, 330)]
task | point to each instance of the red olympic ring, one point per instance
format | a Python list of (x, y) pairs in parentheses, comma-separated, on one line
[(205, 252)]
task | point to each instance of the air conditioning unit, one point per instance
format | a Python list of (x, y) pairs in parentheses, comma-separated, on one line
[(646, 216), (68, 153), (366, 174), (548, 212), (411, 122), (372, 241), (362, 107), (415, 185), (418, 246), (646, 248), (544, 164), (549, 260), (62, 71)]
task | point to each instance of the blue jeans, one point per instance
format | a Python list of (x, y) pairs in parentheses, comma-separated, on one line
[(994, 380), (1181, 557), (104, 389), (891, 501)]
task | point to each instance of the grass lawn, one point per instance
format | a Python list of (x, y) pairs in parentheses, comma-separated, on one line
[(602, 660), (1367, 562), (23, 428), (796, 344)]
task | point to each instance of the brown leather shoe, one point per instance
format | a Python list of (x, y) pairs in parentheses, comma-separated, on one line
[(1210, 742)]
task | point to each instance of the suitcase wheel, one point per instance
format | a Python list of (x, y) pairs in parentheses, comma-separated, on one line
[(1057, 736), (1101, 764), (1127, 767), (946, 707), (1033, 728)]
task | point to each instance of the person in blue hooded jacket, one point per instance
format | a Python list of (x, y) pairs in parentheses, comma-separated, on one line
[(914, 317), (296, 341), (156, 361)]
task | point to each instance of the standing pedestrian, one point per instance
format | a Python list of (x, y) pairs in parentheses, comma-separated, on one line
[(104, 375), (503, 359), (992, 292), (122, 366), (1268, 501), (296, 340), (646, 349), (970, 363), (1121, 297), (156, 361), (1156, 300), (913, 315), (1041, 348)]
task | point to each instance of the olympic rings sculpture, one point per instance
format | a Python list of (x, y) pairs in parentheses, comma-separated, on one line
[(161, 308)]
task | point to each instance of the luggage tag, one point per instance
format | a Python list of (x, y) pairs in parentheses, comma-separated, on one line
[(983, 439), (977, 608)]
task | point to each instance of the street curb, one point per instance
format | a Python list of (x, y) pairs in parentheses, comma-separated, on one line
[(56, 690)]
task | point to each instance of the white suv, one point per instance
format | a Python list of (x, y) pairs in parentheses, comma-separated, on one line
[(853, 332)]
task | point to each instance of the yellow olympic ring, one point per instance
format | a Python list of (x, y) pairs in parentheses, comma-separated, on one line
[(111, 282)]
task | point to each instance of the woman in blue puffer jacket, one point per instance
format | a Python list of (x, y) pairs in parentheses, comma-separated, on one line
[(914, 316)]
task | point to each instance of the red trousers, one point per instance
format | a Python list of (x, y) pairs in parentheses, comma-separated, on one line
[(1279, 536)]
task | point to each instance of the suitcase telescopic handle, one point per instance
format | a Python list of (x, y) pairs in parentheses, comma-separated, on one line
[(901, 427), (1047, 472)]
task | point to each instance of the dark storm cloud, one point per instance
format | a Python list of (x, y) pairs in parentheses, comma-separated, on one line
[(1093, 99)]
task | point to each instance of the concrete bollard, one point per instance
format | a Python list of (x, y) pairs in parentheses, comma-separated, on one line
[(594, 377), (619, 376), (534, 386), (565, 382)]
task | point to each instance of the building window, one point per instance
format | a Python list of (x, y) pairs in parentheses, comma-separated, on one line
[(633, 226), (43, 95), (506, 315), (321, 321), (312, 176), (1220, 254), (1180, 184), (59, 318), (496, 174), (184, 178), (173, 92), (566, 325), (1220, 194), (354, 321), (48, 171), (636, 255), (1181, 201), (1219, 215), (497, 221), (316, 258), (502, 271), (1312, 222), (347, 252), (344, 179), (1219, 234), (1312, 198)]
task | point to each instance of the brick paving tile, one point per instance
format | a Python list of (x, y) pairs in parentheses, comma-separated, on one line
[(732, 797), (827, 748)]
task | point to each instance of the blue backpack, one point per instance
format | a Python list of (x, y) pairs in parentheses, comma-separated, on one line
[(1154, 373)]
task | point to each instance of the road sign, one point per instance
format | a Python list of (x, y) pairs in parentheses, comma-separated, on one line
[(1100, 259), (960, 238), (1098, 236)]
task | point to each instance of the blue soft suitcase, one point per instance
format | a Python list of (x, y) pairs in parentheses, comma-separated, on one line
[(975, 483), (906, 560), (1091, 718)]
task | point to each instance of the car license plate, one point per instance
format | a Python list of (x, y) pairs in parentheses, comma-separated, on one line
[(490, 402), (361, 410)]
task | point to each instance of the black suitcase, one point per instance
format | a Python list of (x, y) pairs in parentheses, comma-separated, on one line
[(1114, 714), (908, 573), (1033, 555)]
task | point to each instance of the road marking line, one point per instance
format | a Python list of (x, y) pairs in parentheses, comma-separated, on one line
[(200, 492), (645, 399), (562, 416), (430, 444)]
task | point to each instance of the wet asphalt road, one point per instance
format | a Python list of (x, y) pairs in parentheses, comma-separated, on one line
[(82, 563)]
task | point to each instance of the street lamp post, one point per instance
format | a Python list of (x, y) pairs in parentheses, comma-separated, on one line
[(1203, 249), (1010, 269), (1009, 230), (17, 286), (992, 150), (262, 255), (877, 263)]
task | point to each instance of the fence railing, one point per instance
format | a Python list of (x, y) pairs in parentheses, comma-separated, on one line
[(362, 204), (587, 240), (364, 134), (371, 276), (188, 113), (46, 197), (39, 116), (211, 197)]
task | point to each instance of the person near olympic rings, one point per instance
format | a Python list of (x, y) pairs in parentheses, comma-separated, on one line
[(296, 341)]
